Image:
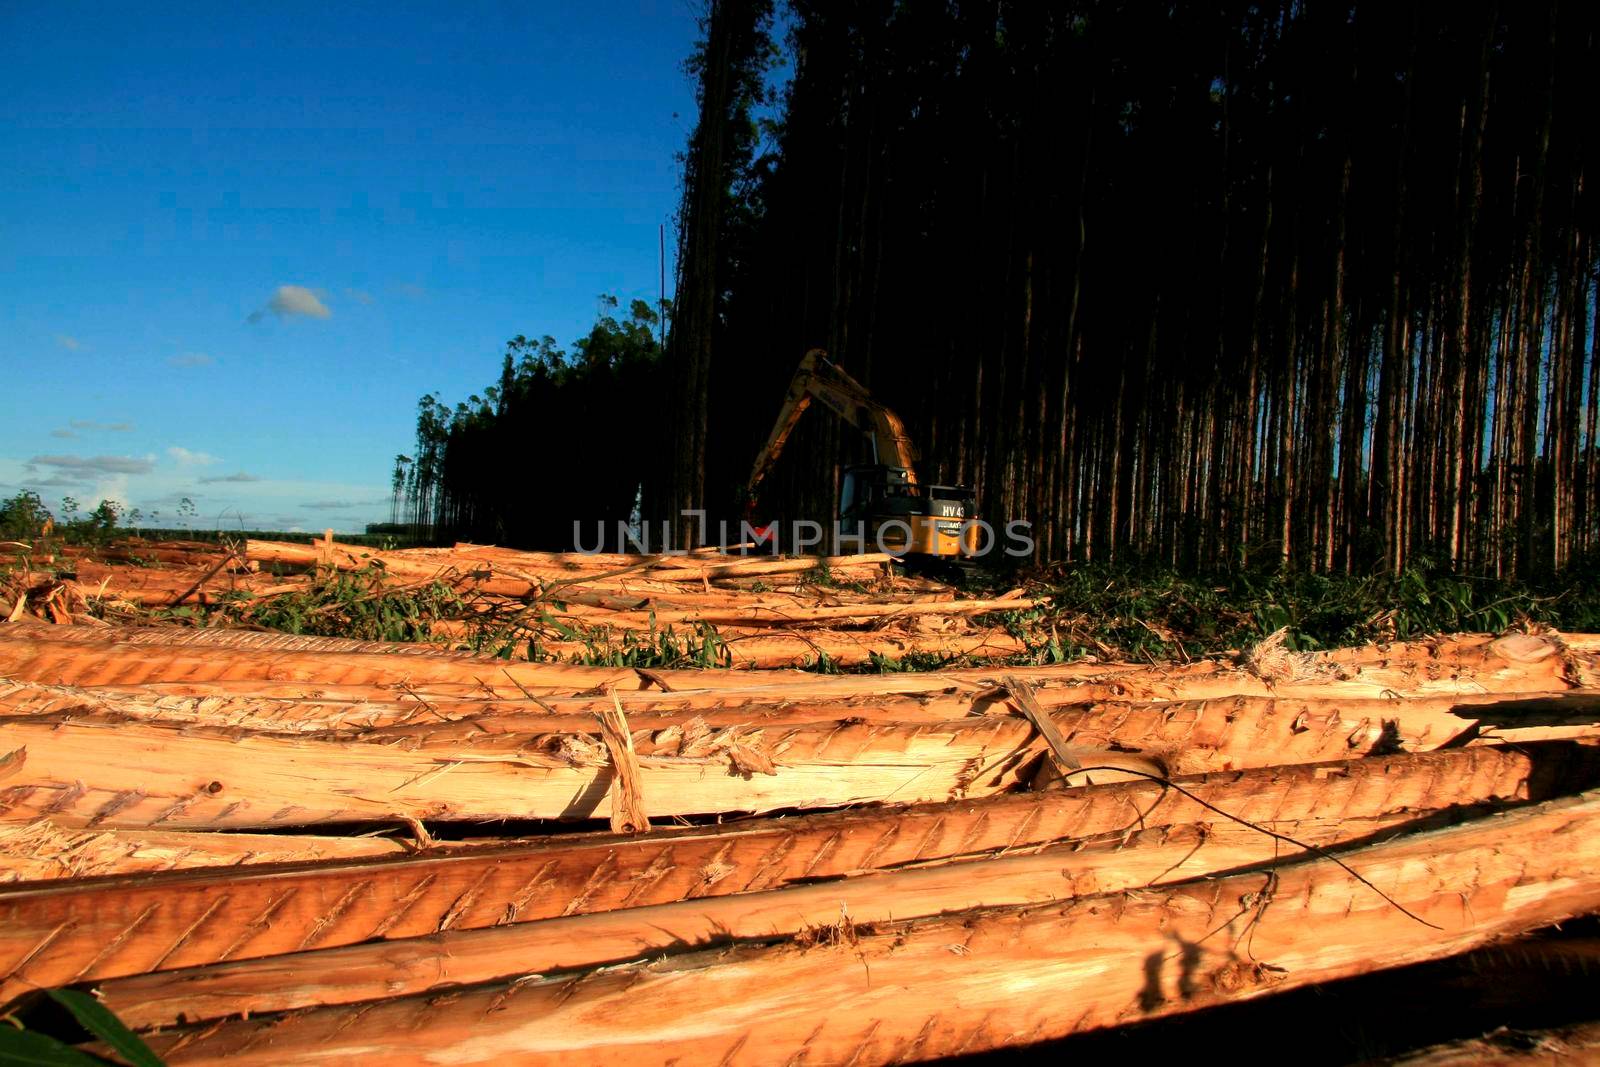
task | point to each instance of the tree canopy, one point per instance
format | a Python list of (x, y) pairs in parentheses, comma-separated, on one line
[(565, 434)]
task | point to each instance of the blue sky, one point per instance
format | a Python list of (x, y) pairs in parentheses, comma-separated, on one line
[(237, 245)]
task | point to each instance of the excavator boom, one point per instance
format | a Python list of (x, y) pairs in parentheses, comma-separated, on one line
[(883, 499), (819, 378)]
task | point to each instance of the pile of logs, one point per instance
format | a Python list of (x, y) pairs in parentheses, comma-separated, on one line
[(281, 849), (762, 611)]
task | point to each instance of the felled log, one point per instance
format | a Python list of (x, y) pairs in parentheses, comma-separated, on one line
[(154, 586), (373, 971), (1191, 736), (86, 770), (222, 637), (347, 556), (659, 568), (1419, 725), (481, 577), (981, 979), (31, 657), (400, 713), (764, 615), (751, 567), (300, 709), (89, 769), (1465, 666), (50, 935), (42, 851), (145, 553)]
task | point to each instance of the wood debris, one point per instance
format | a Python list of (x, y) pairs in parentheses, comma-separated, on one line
[(275, 848), (741, 610)]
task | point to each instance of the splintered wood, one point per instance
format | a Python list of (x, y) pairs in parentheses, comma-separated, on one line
[(737, 610), (267, 848)]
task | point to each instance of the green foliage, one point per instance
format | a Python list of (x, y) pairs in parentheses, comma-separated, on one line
[(23, 517), (354, 604), (820, 576), (1147, 612), (29, 1048), (823, 664), (20, 1044), (911, 662), (533, 632), (99, 1021), (97, 527), (658, 648)]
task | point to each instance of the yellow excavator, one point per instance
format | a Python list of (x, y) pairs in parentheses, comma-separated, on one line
[(882, 501)]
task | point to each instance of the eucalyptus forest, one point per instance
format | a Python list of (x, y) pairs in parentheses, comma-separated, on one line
[(1295, 284)]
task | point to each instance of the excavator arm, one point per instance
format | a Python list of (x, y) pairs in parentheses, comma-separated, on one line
[(883, 500), (819, 378)]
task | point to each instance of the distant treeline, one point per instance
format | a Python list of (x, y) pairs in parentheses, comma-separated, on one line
[(1200, 284), (563, 435)]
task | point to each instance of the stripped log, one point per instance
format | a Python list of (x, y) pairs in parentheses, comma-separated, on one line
[(308, 710), (660, 568), (170, 553), (94, 770), (764, 615), (1186, 736), (399, 710), (1589, 643), (1464, 666), (535, 560), (1435, 658), (353, 557), (98, 771), (374, 971), (731, 567), (157, 587), (35, 659), (981, 979), (42, 851), (50, 935)]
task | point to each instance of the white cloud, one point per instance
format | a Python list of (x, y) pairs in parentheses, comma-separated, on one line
[(183, 457), (190, 359), (112, 487), (114, 427), (360, 296), (65, 435), (71, 344), (292, 300), (238, 476)]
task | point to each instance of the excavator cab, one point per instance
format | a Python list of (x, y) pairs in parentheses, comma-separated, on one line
[(885, 505)]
